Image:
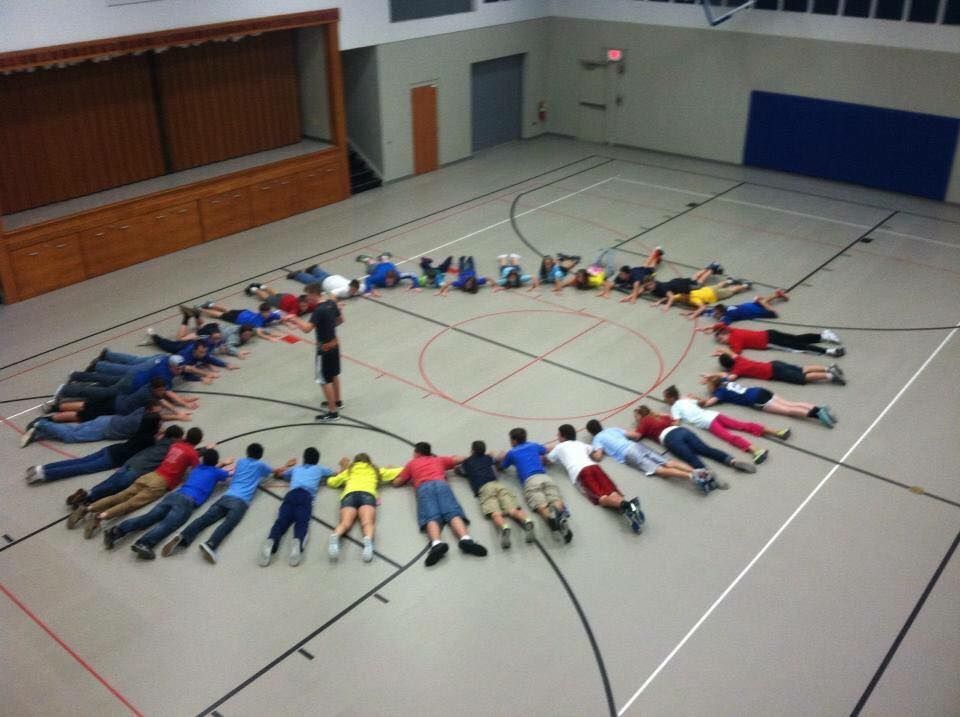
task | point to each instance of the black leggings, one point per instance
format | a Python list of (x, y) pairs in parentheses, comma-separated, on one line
[(800, 342)]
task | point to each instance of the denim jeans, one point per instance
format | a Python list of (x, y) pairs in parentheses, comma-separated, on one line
[(168, 515), (685, 445), (95, 430), (295, 509), (118, 481), (228, 507), (114, 362), (317, 276), (94, 463)]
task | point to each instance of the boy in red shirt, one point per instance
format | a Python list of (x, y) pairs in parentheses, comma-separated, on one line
[(740, 339), (436, 503), (777, 370), (181, 457)]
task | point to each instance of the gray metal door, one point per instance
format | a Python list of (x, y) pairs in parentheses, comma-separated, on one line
[(497, 97)]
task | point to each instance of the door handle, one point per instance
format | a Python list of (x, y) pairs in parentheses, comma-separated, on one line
[(594, 105)]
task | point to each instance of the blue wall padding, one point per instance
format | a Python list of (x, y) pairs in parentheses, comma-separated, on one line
[(889, 149)]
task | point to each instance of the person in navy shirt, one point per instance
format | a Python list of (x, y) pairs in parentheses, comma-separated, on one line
[(539, 490), (263, 317), (760, 308)]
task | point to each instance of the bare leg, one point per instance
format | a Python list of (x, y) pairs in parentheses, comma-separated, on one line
[(458, 527), (612, 501), (816, 376), (71, 406), (64, 417), (330, 395), (433, 530), (680, 465), (497, 518), (347, 518), (518, 515), (665, 471), (368, 516)]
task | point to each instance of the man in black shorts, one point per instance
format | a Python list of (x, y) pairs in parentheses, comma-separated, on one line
[(325, 319)]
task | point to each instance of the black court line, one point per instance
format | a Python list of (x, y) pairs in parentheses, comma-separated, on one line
[(35, 532), (608, 691), (801, 192), (305, 653), (27, 398), (7, 538), (856, 328), (381, 598), (842, 251), (299, 261), (215, 714), (906, 628), (300, 643)]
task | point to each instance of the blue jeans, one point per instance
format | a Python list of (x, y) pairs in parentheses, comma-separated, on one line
[(317, 276), (228, 507), (95, 430), (436, 503), (295, 509), (120, 480), (114, 362), (685, 445), (168, 515), (94, 463)]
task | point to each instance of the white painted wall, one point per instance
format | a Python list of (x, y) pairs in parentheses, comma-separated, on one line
[(38, 23), (917, 35), (314, 95)]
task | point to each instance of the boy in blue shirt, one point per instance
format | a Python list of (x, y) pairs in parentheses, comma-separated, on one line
[(296, 508), (175, 508), (383, 274), (261, 318), (540, 492), (248, 474)]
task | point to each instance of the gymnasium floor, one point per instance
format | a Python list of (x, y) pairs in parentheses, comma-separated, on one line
[(825, 583)]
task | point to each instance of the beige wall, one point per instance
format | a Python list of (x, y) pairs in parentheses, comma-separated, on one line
[(687, 91), (446, 60), (314, 95)]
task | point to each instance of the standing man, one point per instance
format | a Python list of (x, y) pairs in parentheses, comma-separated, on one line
[(325, 319)]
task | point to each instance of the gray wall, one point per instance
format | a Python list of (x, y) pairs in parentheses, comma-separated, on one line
[(687, 91), (361, 89), (446, 60), (314, 98)]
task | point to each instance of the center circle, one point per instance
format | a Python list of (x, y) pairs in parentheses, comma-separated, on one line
[(598, 321)]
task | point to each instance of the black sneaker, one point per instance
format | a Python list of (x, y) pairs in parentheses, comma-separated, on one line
[(144, 552), (472, 547), (110, 537), (291, 275), (77, 497), (436, 552), (328, 417), (310, 269), (171, 545), (251, 289), (339, 404)]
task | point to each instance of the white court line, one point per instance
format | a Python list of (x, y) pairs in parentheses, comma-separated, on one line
[(783, 527), (914, 236), (15, 415), (664, 186), (794, 213), (505, 221)]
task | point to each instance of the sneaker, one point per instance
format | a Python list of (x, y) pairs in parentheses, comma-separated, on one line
[(296, 553), (830, 414), (76, 517), (834, 369), (719, 484), (27, 437), (364, 258), (34, 475), (339, 404), (824, 417), (836, 351), (91, 525), (57, 394), (147, 337), (49, 406), (702, 482), (472, 547), (367, 554), (310, 269), (783, 434), (515, 257), (637, 518), (436, 552), (110, 537), (529, 531), (837, 378), (563, 527), (266, 553), (760, 455), (291, 275), (251, 289), (188, 311), (333, 547), (76, 498), (505, 537), (743, 467), (144, 552), (209, 553), (171, 545), (554, 525), (328, 417), (830, 336), (385, 255), (92, 366), (715, 267)]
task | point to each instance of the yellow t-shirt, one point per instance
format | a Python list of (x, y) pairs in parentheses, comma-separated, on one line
[(702, 297), (595, 281), (361, 477)]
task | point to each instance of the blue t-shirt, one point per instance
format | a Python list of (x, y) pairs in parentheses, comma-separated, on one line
[(747, 311), (128, 402), (160, 369), (255, 318), (201, 481), (378, 277), (614, 443), (246, 477), (526, 459), (307, 477), (730, 392)]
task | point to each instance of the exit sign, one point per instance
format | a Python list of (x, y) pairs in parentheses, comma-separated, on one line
[(614, 55)]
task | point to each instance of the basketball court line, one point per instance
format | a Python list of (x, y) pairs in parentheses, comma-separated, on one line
[(666, 661), (664, 186)]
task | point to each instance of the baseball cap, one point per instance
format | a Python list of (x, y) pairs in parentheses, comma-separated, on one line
[(176, 360)]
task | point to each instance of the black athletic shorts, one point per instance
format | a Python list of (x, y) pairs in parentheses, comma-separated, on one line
[(328, 365), (788, 373)]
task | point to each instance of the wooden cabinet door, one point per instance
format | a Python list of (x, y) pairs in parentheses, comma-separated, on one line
[(172, 229), (47, 266), (226, 213), (319, 186), (274, 199), (114, 246)]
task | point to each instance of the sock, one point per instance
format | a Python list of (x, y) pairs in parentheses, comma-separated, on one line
[(624, 506), (812, 413), (466, 537), (434, 543)]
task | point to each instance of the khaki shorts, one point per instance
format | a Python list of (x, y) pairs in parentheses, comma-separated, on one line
[(496, 498), (722, 292), (539, 491)]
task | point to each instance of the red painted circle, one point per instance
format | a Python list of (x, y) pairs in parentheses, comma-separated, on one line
[(612, 409)]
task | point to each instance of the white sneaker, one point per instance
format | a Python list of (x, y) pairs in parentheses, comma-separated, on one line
[(266, 553), (367, 553), (209, 553), (295, 554), (830, 336), (147, 338), (333, 547)]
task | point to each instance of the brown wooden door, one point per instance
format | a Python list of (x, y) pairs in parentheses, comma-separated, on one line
[(424, 102)]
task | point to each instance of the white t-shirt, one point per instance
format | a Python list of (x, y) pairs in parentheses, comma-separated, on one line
[(687, 410), (338, 286), (572, 455)]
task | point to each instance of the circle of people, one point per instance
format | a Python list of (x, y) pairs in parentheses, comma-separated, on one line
[(126, 397)]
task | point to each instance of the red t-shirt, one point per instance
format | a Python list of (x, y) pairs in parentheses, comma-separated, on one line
[(179, 459), (652, 426), (752, 369), (288, 303), (425, 468), (740, 339)]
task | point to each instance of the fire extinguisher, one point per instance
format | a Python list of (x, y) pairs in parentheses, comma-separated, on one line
[(542, 111)]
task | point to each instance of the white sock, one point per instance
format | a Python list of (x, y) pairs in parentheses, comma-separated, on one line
[(434, 543), (466, 537)]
